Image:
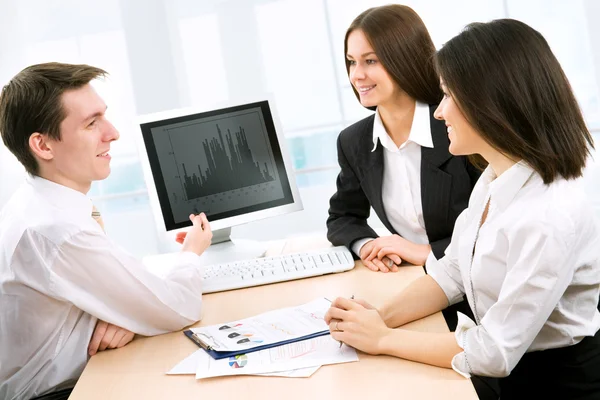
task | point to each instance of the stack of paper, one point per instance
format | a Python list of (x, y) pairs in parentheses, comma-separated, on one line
[(190, 364), (235, 348)]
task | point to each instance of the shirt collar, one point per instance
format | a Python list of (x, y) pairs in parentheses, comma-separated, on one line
[(504, 188), (61, 196), (420, 131)]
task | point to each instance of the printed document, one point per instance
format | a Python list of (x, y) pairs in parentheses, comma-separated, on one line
[(268, 328), (189, 365), (308, 353)]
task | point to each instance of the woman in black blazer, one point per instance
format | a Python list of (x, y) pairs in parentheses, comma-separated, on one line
[(397, 160)]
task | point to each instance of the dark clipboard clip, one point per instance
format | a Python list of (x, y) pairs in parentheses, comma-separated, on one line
[(195, 337)]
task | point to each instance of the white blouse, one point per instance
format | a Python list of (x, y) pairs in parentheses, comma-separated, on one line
[(530, 273), (401, 183)]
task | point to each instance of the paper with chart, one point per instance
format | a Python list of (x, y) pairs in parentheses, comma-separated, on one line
[(268, 328), (308, 353), (189, 366)]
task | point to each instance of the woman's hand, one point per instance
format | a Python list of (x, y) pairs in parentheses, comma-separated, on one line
[(356, 325), (389, 263), (395, 245)]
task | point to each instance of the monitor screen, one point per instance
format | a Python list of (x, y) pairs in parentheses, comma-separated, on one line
[(225, 163)]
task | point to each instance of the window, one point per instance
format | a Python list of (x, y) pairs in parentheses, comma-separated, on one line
[(203, 58), (298, 63), (564, 26)]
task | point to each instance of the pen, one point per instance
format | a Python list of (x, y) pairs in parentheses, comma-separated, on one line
[(341, 343)]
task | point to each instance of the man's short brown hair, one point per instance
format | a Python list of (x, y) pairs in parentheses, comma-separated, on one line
[(32, 102)]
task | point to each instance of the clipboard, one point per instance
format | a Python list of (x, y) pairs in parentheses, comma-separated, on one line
[(217, 355), (263, 331)]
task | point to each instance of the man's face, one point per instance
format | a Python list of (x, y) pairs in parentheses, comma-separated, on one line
[(82, 154)]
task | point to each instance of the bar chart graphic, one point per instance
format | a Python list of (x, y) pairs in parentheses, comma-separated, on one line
[(216, 164), (230, 164)]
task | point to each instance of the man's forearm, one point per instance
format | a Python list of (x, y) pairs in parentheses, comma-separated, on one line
[(421, 298)]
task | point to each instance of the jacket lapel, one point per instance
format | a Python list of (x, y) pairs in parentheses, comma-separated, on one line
[(439, 154), (373, 179)]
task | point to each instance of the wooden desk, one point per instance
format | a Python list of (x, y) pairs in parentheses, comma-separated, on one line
[(137, 371)]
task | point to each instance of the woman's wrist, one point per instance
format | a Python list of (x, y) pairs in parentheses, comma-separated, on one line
[(425, 250), (385, 342), (386, 314), (381, 312)]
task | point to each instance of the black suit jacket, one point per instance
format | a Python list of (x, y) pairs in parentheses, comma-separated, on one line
[(446, 184)]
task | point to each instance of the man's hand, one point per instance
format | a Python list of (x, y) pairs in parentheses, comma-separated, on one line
[(386, 264), (108, 336), (198, 238), (395, 245)]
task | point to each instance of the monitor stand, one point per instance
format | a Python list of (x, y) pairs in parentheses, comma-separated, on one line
[(226, 249)]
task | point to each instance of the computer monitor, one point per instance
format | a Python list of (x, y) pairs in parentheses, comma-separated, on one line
[(230, 163)]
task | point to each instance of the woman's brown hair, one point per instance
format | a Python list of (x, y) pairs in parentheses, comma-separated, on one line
[(404, 48), (512, 89)]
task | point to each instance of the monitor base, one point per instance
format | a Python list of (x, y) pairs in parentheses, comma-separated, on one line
[(221, 236), (233, 250)]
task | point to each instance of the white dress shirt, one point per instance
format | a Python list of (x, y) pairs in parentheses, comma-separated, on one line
[(59, 272), (533, 277), (401, 185)]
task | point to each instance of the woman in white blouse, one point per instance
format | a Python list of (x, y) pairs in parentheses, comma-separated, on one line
[(526, 251)]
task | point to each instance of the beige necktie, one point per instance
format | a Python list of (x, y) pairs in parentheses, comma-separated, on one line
[(97, 216)]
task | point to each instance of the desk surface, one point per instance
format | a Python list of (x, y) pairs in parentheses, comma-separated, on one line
[(138, 369)]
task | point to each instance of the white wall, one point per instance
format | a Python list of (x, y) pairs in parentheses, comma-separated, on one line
[(592, 174), (592, 12), (11, 172)]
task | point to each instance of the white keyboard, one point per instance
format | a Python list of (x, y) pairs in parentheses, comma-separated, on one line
[(260, 271)]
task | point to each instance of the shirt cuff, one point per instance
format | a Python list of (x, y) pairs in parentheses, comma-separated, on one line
[(439, 271), (430, 258), (460, 362), (359, 244), (188, 259), (185, 264)]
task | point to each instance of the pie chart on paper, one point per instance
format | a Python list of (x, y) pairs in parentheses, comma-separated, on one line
[(238, 361)]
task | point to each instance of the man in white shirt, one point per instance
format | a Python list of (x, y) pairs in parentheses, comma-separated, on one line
[(61, 277)]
